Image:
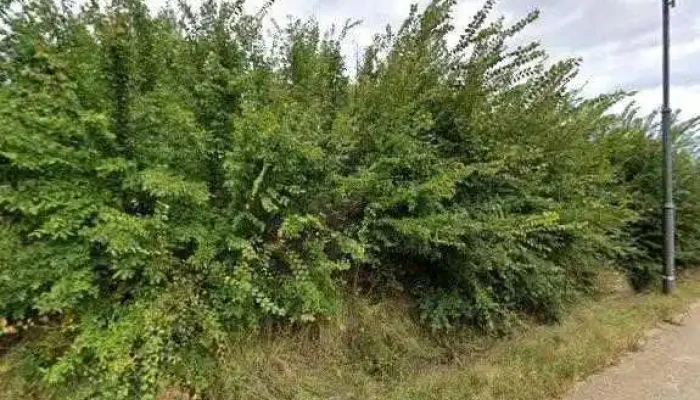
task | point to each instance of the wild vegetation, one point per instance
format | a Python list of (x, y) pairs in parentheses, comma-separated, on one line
[(169, 180)]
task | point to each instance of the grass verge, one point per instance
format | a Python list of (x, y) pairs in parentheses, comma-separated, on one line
[(376, 351)]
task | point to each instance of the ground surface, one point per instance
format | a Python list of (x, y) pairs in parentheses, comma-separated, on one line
[(666, 367)]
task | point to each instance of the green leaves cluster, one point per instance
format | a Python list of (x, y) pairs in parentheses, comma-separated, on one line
[(167, 179), (635, 150)]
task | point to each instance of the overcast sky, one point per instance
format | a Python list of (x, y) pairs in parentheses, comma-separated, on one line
[(619, 40)]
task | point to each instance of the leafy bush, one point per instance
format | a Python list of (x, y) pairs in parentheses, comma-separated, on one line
[(635, 151), (170, 179), (148, 216), (477, 172)]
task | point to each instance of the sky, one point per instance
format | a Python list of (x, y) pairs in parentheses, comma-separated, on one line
[(619, 40)]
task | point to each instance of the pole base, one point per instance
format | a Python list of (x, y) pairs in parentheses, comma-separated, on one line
[(669, 284)]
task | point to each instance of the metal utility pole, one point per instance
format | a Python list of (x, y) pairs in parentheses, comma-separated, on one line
[(669, 206)]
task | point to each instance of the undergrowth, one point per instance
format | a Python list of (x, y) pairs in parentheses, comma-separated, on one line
[(377, 350)]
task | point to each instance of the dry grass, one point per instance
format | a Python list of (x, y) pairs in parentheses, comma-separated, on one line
[(545, 362), (379, 353), (376, 351)]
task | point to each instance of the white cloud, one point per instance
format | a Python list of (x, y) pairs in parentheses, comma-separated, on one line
[(685, 97)]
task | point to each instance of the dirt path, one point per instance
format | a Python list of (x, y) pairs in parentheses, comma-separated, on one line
[(667, 367)]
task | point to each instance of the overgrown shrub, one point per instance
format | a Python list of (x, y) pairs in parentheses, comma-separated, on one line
[(169, 179), (635, 151)]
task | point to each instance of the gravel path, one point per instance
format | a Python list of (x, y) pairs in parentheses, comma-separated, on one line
[(667, 367)]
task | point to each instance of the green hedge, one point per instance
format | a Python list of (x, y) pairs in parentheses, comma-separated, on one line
[(168, 179)]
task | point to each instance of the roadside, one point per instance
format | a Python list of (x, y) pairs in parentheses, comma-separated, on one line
[(546, 362), (378, 353), (667, 367)]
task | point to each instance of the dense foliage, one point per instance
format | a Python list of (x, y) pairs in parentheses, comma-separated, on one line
[(168, 179)]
